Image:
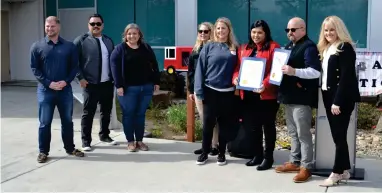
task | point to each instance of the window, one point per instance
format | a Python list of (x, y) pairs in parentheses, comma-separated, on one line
[(277, 13), (170, 53), (112, 12), (185, 58), (75, 4), (235, 10), (156, 18), (353, 13), (50, 8)]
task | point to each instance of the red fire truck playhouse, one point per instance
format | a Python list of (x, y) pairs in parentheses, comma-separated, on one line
[(176, 58)]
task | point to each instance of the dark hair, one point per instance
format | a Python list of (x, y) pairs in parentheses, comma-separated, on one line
[(267, 31), (96, 15)]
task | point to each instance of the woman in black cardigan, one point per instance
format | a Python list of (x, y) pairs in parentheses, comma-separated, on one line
[(339, 90), (205, 31), (136, 75)]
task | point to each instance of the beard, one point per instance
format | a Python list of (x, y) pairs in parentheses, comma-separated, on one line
[(52, 34)]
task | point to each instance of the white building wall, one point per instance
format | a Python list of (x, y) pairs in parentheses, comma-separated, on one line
[(185, 22), (26, 22), (375, 26)]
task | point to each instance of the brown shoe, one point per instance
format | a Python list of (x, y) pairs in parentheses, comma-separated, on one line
[(303, 176), (76, 153), (131, 147), (288, 167), (42, 158), (141, 146)]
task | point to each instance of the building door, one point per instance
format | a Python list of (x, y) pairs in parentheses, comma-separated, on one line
[(74, 22), (5, 55)]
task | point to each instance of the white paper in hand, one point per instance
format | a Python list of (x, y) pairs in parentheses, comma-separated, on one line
[(251, 73)]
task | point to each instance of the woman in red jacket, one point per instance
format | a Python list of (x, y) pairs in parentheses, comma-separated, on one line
[(260, 106)]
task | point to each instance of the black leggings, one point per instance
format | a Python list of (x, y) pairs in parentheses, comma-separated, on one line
[(220, 108), (260, 117)]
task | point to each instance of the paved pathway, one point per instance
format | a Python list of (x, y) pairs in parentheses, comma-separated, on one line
[(169, 166)]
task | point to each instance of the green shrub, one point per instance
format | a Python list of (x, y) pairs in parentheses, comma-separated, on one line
[(155, 113), (176, 116), (157, 133), (198, 130), (368, 116), (280, 118)]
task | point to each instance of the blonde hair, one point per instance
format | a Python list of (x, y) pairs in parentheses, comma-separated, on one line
[(343, 34), (199, 42), (231, 41), (132, 26)]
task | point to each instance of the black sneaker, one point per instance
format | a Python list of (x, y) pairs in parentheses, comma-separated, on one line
[(214, 151), (108, 140), (42, 158), (198, 151), (221, 159), (202, 159), (86, 147)]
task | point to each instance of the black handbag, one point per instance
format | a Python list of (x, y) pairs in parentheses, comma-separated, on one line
[(243, 145)]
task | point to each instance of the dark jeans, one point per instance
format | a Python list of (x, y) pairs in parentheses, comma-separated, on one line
[(95, 94), (48, 99), (220, 108), (339, 127), (260, 117), (134, 103)]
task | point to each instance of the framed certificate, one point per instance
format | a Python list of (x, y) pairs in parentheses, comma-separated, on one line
[(280, 58), (251, 73)]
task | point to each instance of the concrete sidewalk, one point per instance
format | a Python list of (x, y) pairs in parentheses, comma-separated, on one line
[(168, 166)]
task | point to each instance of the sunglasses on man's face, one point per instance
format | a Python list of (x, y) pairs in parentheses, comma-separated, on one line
[(95, 24), (203, 31), (291, 29)]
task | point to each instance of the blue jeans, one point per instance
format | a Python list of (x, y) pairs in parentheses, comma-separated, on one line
[(48, 99), (134, 103)]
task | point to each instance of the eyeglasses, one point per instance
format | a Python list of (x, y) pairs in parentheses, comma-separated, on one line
[(292, 29), (95, 24), (203, 31)]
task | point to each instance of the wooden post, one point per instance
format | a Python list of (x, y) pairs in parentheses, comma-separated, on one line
[(190, 118)]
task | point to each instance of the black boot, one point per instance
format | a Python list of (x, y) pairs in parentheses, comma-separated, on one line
[(198, 151), (255, 161), (214, 151), (266, 164)]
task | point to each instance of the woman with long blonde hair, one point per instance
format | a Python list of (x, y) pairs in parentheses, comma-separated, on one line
[(213, 85), (205, 31), (339, 90)]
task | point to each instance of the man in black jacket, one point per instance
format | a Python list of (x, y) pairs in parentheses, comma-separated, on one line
[(95, 78), (299, 93)]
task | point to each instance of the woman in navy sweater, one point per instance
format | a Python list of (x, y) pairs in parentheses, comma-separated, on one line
[(205, 30), (213, 85), (136, 75)]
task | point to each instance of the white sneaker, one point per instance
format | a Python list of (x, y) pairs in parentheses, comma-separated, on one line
[(87, 148)]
